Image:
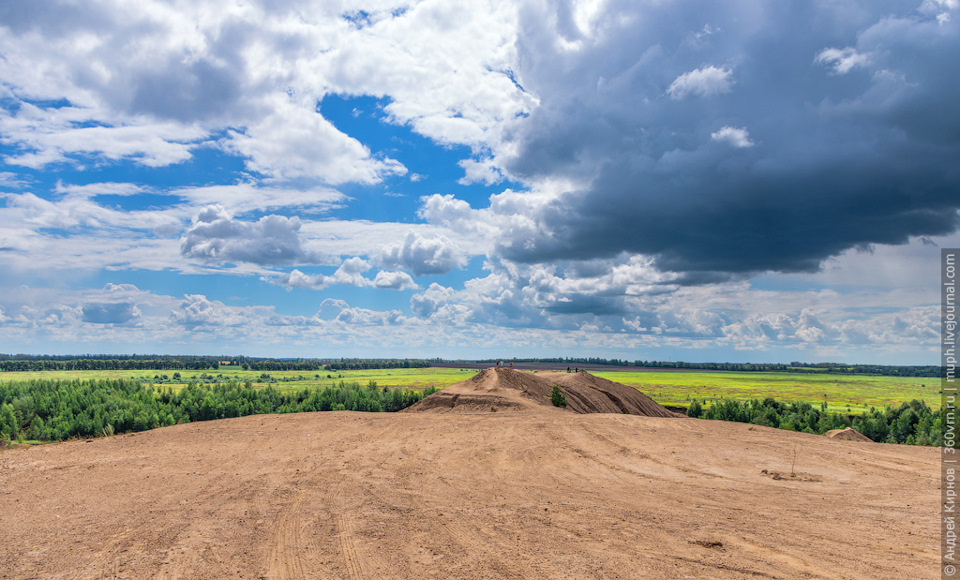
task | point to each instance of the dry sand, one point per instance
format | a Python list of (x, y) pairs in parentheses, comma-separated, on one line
[(514, 494), (849, 434), (500, 389)]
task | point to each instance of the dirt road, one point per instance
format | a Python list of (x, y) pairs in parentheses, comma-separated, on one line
[(494, 495)]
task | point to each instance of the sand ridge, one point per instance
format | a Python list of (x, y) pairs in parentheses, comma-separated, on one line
[(528, 494), (499, 389)]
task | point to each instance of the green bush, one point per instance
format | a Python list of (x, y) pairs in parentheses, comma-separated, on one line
[(557, 397)]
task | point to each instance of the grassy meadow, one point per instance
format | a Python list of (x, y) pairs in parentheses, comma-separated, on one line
[(417, 379), (841, 392)]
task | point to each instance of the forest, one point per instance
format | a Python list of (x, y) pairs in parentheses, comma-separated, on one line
[(51, 410), (793, 367)]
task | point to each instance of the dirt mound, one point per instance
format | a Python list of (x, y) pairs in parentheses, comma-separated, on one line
[(502, 389), (468, 496), (848, 434)]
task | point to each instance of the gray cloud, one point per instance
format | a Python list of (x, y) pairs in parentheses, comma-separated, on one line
[(109, 312), (216, 237), (782, 151), (427, 302)]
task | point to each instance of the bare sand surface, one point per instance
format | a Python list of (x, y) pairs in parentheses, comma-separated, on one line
[(523, 493)]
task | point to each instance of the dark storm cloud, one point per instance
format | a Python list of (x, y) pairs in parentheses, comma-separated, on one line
[(717, 138), (588, 304)]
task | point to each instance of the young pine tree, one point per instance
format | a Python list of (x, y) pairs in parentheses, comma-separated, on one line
[(557, 397)]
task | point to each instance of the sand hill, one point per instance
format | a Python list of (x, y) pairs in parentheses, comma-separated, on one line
[(529, 494), (848, 434), (503, 389)]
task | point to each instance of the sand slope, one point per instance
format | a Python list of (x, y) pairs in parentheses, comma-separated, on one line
[(446, 495), (503, 389)]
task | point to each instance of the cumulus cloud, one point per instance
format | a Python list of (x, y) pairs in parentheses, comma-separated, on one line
[(297, 279), (484, 171), (394, 281), (428, 301), (422, 255), (350, 273), (195, 310), (366, 317), (215, 236), (703, 82), (734, 136)]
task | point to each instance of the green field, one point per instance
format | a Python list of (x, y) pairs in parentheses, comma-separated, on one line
[(411, 378), (856, 392)]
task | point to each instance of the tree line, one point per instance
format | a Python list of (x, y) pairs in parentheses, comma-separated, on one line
[(24, 363), (51, 410), (793, 367), (912, 423)]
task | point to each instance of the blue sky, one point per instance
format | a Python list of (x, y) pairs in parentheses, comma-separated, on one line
[(688, 180)]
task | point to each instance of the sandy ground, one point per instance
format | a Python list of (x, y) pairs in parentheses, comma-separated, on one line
[(548, 494)]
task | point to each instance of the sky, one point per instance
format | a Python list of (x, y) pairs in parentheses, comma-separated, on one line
[(748, 180)]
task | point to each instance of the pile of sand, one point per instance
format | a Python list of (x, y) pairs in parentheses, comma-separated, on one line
[(501, 389), (847, 434)]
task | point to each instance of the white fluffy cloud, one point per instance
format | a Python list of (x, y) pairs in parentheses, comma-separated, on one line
[(197, 311), (350, 273), (702, 82), (153, 83), (217, 237), (734, 136), (421, 255), (295, 141), (394, 281)]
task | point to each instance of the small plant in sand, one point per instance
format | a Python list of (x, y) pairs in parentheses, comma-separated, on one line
[(793, 464), (557, 397)]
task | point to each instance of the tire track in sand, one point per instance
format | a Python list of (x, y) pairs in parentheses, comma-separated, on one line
[(286, 545), (346, 538)]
